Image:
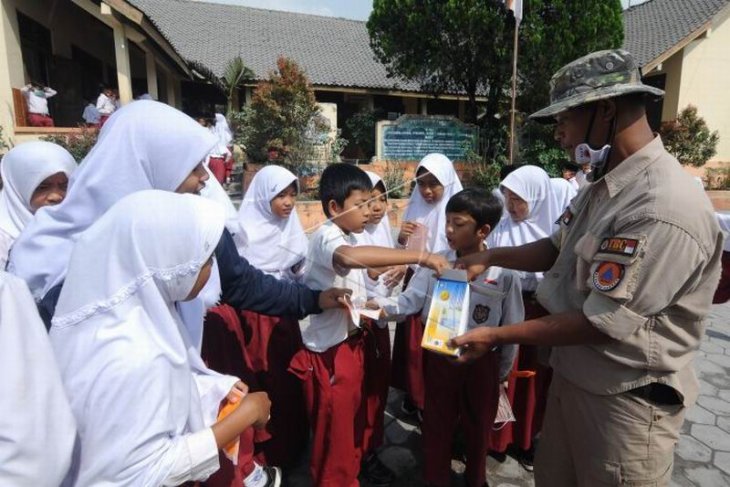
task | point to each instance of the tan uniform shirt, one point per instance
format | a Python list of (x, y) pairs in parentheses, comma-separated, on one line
[(640, 255)]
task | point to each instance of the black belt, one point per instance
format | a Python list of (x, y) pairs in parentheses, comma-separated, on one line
[(657, 393)]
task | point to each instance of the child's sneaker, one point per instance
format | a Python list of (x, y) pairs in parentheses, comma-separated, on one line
[(274, 476), (375, 472)]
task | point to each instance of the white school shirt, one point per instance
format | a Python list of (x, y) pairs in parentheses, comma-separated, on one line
[(331, 327), (496, 300), (37, 99), (105, 105), (6, 241)]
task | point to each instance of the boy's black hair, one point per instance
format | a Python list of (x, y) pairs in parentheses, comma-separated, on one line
[(338, 181), (570, 166), (480, 204)]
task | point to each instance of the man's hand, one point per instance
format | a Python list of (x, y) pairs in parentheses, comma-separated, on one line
[(333, 298), (436, 262), (475, 264), (473, 343)]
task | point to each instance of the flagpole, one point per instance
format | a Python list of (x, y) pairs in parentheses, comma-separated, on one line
[(514, 96)]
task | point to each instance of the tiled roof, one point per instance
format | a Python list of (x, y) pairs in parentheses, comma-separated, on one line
[(654, 27), (333, 51)]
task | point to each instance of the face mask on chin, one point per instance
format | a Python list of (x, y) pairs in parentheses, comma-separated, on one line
[(597, 158)]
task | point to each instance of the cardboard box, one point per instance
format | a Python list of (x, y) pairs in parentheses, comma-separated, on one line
[(448, 315)]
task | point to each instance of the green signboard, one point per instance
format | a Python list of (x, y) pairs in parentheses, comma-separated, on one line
[(411, 137)]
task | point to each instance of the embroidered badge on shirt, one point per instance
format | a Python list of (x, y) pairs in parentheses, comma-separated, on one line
[(565, 217), (619, 246), (607, 276), (480, 314)]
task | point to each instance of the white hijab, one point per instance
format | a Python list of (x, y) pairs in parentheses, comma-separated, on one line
[(270, 243), (433, 215), (37, 429), (132, 375), (23, 169), (144, 145), (222, 130), (379, 235), (533, 185), (564, 193)]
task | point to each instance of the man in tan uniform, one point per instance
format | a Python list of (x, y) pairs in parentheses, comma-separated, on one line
[(629, 278)]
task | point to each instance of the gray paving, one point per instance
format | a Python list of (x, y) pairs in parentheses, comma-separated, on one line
[(702, 457)]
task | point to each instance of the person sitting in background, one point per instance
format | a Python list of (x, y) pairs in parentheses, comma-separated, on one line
[(570, 171), (91, 115), (36, 97)]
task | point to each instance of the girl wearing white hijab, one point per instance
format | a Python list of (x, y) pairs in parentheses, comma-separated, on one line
[(35, 174), (271, 236), (37, 429), (144, 145), (563, 192), (272, 239), (436, 183), (145, 403), (424, 221), (533, 210)]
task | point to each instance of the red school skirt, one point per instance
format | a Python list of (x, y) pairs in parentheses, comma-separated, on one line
[(224, 351), (376, 354), (271, 342)]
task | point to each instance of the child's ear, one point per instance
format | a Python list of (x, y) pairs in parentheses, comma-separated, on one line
[(483, 231), (333, 207)]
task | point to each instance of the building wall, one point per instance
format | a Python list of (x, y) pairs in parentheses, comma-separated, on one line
[(705, 80), (10, 60)]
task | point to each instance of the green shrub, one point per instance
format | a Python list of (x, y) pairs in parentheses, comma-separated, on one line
[(689, 139), (77, 144)]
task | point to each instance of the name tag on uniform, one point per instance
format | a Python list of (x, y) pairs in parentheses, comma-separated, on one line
[(565, 217), (619, 246)]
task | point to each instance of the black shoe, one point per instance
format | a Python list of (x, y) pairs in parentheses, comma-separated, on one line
[(375, 472), (274, 476), (499, 456), (527, 459), (407, 407)]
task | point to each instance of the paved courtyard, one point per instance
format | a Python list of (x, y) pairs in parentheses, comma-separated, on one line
[(703, 454)]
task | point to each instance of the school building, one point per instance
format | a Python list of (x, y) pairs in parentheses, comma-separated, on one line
[(154, 46), (683, 47)]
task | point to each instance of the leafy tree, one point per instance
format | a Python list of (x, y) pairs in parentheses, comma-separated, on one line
[(467, 45), (689, 139), (283, 123), (457, 44)]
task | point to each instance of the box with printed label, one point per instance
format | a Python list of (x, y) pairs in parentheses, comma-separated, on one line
[(448, 316)]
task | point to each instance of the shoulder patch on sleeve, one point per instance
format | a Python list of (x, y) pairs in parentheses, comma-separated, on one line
[(608, 275)]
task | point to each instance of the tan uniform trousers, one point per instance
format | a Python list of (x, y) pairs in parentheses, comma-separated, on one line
[(595, 441)]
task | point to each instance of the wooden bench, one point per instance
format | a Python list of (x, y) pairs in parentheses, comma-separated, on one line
[(21, 109)]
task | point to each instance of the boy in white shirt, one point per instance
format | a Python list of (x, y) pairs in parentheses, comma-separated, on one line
[(457, 394), (331, 365), (105, 104)]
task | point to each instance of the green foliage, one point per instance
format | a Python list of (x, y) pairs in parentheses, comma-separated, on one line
[(456, 44), (235, 75), (551, 35), (540, 149), (78, 144), (689, 139), (283, 124), (485, 176), (361, 127), (3, 142), (467, 45)]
